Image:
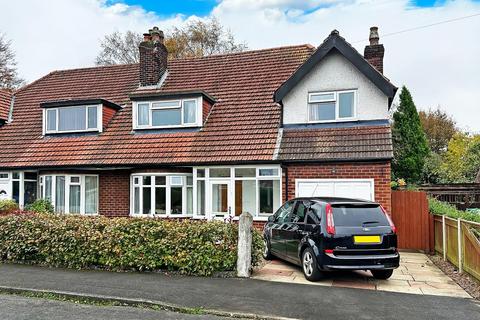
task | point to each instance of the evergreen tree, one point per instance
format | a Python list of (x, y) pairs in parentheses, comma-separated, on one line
[(410, 147)]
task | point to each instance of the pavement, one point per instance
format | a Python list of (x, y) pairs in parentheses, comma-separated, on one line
[(22, 308), (416, 275), (265, 298)]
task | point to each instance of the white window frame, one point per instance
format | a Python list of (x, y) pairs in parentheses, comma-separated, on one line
[(21, 180), (68, 183), (231, 180), (99, 127), (168, 185), (336, 99), (198, 115), (4, 172)]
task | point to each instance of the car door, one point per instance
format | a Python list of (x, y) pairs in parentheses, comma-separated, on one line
[(295, 230), (277, 240)]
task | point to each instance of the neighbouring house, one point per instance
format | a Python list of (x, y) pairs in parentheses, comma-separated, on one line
[(202, 137)]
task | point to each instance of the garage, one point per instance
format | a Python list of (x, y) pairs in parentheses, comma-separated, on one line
[(348, 188)]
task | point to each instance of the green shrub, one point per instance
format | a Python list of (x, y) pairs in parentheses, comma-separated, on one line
[(442, 208), (40, 206), (7, 206), (190, 247)]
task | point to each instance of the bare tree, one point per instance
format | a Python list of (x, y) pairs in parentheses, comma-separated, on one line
[(9, 78), (197, 38)]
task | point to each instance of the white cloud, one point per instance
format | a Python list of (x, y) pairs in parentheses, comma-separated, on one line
[(439, 65)]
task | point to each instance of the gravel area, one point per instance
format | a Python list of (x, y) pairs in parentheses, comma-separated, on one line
[(464, 280)]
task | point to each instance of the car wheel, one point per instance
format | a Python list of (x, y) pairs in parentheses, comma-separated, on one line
[(382, 274), (309, 265), (267, 255)]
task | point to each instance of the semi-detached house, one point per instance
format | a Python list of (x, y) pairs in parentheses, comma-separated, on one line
[(202, 137)]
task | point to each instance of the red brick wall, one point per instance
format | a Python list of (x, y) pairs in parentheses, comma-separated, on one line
[(114, 193), (379, 171)]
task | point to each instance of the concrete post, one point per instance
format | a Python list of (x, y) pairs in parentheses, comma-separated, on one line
[(244, 259)]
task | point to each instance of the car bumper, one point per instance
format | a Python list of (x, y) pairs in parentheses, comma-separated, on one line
[(359, 262)]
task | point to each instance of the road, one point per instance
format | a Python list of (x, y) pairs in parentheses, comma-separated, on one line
[(21, 308)]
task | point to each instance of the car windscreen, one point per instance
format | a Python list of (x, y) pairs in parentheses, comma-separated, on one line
[(356, 215)]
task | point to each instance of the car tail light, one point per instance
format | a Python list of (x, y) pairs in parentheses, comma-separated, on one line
[(328, 250), (330, 223), (394, 229)]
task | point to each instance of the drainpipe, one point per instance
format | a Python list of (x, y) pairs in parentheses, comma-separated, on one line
[(285, 170)]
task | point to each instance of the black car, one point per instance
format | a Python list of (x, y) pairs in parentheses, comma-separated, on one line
[(322, 234)]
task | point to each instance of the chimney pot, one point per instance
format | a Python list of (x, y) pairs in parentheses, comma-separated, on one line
[(374, 36), (156, 34)]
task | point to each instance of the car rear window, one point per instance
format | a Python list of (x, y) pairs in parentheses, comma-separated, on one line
[(350, 215)]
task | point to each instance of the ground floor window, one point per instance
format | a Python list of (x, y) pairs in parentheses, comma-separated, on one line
[(230, 191), (162, 194), (75, 194), (20, 186)]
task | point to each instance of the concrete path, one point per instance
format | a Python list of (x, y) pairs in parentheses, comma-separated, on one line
[(416, 274), (21, 308), (241, 295)]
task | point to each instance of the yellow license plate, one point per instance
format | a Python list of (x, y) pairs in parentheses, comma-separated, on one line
[(367, 239)]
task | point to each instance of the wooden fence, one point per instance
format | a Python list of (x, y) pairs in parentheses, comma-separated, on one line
[(463, 196), (413, 221), (455, 239)]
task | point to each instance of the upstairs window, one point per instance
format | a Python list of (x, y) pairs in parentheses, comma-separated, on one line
[(331, 106), (72, 119), (165, 114)]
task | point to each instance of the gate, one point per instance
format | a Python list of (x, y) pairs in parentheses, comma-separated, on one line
[(413, 221)]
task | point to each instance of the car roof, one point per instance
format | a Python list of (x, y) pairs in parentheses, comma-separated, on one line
[(336, 200)]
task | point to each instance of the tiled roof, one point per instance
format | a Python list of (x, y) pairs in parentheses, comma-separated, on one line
[(5, 99), (352, 143), (242, 126)]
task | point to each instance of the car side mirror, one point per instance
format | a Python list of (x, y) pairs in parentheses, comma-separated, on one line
[(271, 218)]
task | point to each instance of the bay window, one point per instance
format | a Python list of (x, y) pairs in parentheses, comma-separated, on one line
[(331, 106), (73, 194), (73, 119), (162, 195)]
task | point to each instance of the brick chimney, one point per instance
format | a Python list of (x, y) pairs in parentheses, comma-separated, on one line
[(374, 51), (153, 57)]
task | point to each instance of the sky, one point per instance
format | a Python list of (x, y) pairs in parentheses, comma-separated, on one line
[(439, 64)]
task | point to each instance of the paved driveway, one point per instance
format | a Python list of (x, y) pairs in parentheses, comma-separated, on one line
[(416, 274)]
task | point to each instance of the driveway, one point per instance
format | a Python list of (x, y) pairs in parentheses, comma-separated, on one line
[(416, 274)]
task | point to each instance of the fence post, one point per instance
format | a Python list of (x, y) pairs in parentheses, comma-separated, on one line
[(444, 238), (244, 259), (459, 241)]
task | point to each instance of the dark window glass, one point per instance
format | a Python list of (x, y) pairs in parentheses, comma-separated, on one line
[(358, 215), (176, 200), (283, 214), (160, 200), (16, 191), (147, 200), (30, 194), (300, 212), (30, 175)]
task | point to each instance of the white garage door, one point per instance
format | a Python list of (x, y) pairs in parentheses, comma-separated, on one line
[(348, 188)]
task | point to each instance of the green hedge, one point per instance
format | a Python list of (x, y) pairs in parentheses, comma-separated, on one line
[(190, 247), (442, 208)]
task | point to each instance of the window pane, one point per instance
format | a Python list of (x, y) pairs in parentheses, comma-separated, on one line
[(60, 194), (48, 188), (269, 193), (147, 180), (74, 202), (52, 120), (345, 101), (167, 117), (166, 104), (71, 119), (190, 111), (3, 175), (74, 179), (245, 172), (16, 175), (220, 199), (92, 117), (189, 200), (322, 111), (30, 176), (245, 197), (177, 181), (219, 172), (91, 195), (268, 172), (160, 181), (201, 197), (16, 191), (136, 200), (142, 114), (176, 200), (319, 97), (147, 200), (160, 200), (30, 192), (201, 173), (189, 181)]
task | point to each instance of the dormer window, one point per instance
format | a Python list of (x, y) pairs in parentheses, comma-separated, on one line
[(73, 119), (331, 106), (168, 113)]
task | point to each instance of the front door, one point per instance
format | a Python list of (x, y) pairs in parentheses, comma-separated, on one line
[(220, 198)]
